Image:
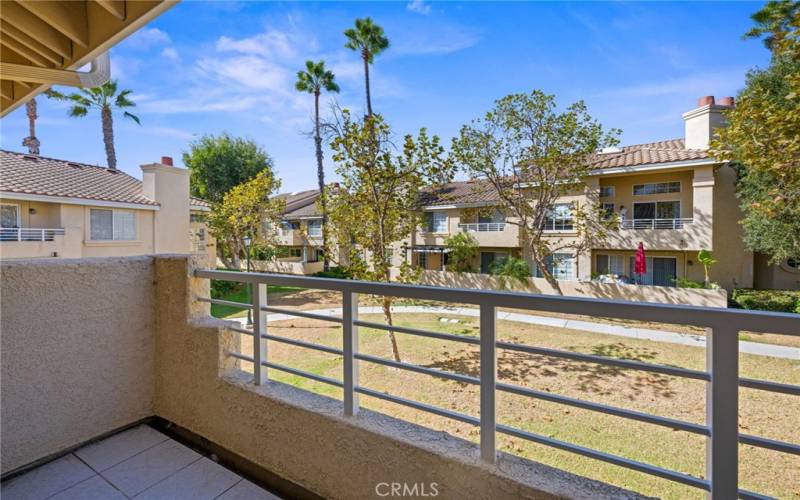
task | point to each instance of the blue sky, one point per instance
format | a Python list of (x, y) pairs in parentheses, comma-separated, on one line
[(208, 67)]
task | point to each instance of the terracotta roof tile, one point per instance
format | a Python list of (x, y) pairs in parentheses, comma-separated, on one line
[(29, 174), (644, 154)]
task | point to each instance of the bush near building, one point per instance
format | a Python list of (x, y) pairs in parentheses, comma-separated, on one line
[(766, 300)]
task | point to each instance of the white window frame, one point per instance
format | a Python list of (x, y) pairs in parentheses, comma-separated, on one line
[(613, 191), (679, 183), (19, 213), (564, 258), (550, 223), (432, 227), (315, 233), (649, 274), (611, 270), (114, 214)]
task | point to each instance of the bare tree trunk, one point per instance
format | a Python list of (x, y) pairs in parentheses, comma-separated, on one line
[(387, 313), (321, 179), (365, 56), (108, 137), (547, 274)]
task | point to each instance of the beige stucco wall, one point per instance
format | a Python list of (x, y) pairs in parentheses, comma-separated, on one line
[(774, 277), (304, 437), (734, 267), (77, 352), (169, 186), (47, 215), (638, 293)]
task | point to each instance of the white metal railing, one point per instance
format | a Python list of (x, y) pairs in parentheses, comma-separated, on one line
[(481, 227), (722, 373), (654, 223), (29, 234)]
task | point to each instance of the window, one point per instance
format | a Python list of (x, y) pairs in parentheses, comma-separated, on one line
[(496, 216), (559, 218), (197, 217), (436, 222), (112, 225), (489, 258), (656, 188), (657, 210), (9, 215), (606, 191), (608, 211), (793, 263), (661, 271), (422, 260), (295, 252), (610, 264), (315, 227), (560, 265)]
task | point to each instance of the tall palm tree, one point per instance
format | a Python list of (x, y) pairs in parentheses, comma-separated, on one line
[(31, 142), (368, 39), (313, 80), (106, 99)]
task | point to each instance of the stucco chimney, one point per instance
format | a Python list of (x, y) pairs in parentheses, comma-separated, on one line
[(701, 122), (169, 187)]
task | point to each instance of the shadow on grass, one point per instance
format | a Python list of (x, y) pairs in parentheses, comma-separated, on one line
[(594, 378)]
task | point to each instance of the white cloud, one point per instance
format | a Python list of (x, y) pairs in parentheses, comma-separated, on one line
[(419, 6), (171, 54), (146, 38), (269, 44), (699, 84), (440, 39)]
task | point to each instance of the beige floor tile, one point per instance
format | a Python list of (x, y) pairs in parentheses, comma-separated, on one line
[(120, 447), (149, 467), (46, 480), (203, 479)]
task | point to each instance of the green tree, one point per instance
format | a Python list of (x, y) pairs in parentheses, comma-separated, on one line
[(248, 209), (104, 98), (463, 249), (510, 270), (218, 163), (376, 203), (313, 80), (761, 140), (368, 39), (531, 156), (774, 22), (707, 259)]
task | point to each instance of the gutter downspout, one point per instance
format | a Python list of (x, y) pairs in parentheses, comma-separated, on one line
[(98, 74)]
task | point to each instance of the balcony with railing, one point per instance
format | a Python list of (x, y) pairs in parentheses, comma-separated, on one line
[(492, 234), (27, 242), (250, 391), (636, 224)]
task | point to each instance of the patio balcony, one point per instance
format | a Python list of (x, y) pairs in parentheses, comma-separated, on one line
[(141, 347), (493, 234), (27, 242)]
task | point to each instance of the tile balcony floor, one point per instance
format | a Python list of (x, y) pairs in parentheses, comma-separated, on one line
[(139, 463)]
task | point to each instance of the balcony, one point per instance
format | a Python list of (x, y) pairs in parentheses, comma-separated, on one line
[(690, 234), (28, 242), (637, 224), (492, 234), (141, 346)]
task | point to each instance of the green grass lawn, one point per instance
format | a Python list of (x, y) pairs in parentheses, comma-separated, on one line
[(760, 413), (241, 294)]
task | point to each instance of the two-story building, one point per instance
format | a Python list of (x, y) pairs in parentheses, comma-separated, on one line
[(299, 235), (60, 208), (672, 196)]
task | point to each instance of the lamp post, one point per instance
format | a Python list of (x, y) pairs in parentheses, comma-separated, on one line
[(247, 241)]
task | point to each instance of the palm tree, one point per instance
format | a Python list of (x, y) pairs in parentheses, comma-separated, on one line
[(31, 142), (105, 98), (312, 80), (368, 39)]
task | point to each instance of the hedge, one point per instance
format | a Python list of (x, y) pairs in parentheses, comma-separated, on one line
[(766, 300)]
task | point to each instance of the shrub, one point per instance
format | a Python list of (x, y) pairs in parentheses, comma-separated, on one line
[(767, 300), (688, 283), (510, 270), (341, 273), (221, 288)]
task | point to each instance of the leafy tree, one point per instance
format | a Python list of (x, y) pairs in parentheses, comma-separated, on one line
[(510, 270), (775, 20), (104, 98), (218, 163), (313, 80), (376, 202), (368, 39), (532, 155), (246, 210), (707, 259), (761, 140), (463, 249)]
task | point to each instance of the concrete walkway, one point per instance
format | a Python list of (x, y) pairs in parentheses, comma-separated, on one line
[(757, 348)]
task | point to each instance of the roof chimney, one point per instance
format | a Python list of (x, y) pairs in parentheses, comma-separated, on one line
[(701, 122), (166, 160)]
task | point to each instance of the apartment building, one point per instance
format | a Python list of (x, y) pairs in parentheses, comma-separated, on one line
[(60, 208), (299, 235), (672, 196)]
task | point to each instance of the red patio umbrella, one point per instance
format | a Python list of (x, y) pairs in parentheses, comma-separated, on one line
[(640, 263)]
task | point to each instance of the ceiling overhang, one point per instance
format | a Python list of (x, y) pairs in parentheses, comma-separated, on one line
[(45, 42)]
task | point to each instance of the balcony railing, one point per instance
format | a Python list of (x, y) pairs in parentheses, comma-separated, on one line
[(29, 234), (654, 223), (481, 227), (722, 375)]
